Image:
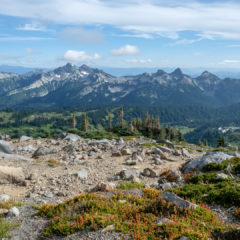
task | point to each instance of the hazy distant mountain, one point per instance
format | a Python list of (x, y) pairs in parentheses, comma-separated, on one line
[(73, 86)]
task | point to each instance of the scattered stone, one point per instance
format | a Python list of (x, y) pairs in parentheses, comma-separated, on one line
[(166, 142), (165, 149), (13, 212), (131, 162), (5, 147), (126, 151), (24, 138), (103, 187), (165, 186), (14, 157), (163, 220), (129, 174), (82, 174), (4, 198), (116, 154), (72, 137), (183, 238), (12, 175), (185, 153), (222, 176), (120, 141), (41, 151), (199, 163), (148, 172), (180, 203), (109, 228)]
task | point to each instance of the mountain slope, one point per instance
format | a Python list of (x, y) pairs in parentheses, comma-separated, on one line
[(73, 86)]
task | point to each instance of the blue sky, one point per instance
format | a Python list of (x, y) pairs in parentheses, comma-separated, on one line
[(143, 33)]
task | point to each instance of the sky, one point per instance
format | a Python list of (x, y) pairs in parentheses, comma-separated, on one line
[(127, 34)]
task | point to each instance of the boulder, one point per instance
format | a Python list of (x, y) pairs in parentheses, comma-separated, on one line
[(4, 198), (103, 187), (222, 176), (120, 141), (41, 151), (180, 203), (160, 153), (82, 174), (131, 162), (199, 163), (13, 212), (24, 138), (126, 151), (129, 174), (12, 175), (72, 137), (14, 157), (116, 154), (5, 147), (166, 142), (148, 172), (185, 153), (165, 149)]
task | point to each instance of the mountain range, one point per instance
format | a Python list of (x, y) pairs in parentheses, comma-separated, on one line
[(84, 86)]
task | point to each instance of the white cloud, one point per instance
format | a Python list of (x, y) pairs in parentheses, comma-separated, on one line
[(80, 35), (211, 19), (187, 41), (33, 27), (230, 61), (16, 38), (30, 51), (140, 35), (142, 61), (126, 50), (79, 56)]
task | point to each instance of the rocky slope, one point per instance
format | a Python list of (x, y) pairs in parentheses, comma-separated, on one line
[(71, 85), (36, 171)]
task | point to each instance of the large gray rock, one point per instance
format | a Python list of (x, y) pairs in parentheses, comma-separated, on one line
[(166, 142), (11, 175), (24, 138), (13, 212), (82, 174), (148, 172), (4, 198), (72, 137), (5, 147), (42, 151), (129, 174), (199, 163), (14, 157), (180, 203)]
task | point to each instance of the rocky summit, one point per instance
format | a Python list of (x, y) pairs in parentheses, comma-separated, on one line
[(72, 86), (180, 191)]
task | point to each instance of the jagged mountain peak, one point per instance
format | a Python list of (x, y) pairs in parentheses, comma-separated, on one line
[(160, 72), (207, 74), (177, 72), (68, 68)]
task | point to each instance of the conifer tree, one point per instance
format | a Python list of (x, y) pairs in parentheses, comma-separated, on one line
[(121, 118), (74, 121), (139, 124), (146, 122), (109, 118), (85, 123)]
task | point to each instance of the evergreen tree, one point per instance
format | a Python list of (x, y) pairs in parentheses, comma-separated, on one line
[(85, 123), (121, 118), (74, 121), (221, 141), (139, 124), (110, 118)]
